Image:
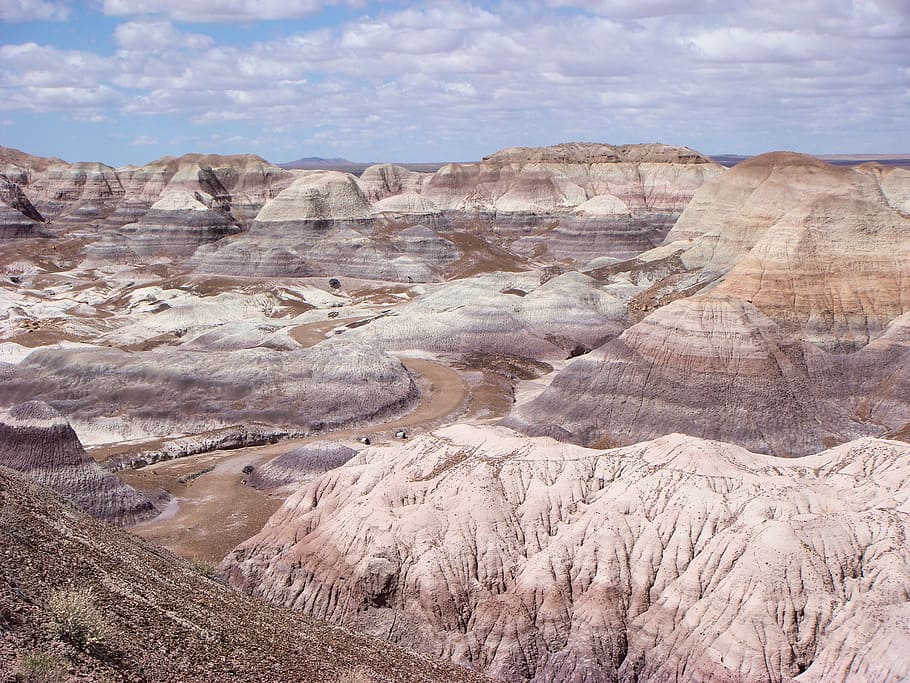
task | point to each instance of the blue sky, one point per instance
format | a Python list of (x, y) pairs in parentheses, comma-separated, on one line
[(128, 81)]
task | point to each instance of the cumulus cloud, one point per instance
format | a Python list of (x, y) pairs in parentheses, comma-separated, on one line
[(204, 11), (15, 11), (736, 72), (157, 35), (144, 140)]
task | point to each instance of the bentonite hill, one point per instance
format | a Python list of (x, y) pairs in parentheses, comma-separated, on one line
[(585, 412)]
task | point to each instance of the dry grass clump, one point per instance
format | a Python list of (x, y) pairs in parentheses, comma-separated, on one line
[(75, 619), (41, 667)]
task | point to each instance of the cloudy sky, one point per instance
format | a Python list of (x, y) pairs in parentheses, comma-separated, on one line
[(127, 81)]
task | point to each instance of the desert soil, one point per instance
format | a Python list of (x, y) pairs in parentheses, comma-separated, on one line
[(210, 514)]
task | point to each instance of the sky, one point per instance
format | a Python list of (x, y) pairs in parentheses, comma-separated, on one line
[(129, 81)]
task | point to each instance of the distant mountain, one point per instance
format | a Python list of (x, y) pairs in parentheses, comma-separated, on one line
[(321, 163), (834, 159)]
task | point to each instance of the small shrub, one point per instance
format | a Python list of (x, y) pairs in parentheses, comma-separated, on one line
[(206, 569), (41, 667), (75, 619)]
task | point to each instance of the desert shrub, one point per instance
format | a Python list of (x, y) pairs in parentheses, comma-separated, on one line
[(41, 667), (205, 568), (75, 619)]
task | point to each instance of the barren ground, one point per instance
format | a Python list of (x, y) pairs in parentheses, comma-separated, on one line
[(213, 512)]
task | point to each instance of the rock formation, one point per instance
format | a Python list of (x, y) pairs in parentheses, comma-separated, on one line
[(675, 559), (175, 225), (716, 367), (112, 395), (576, 200), (75, 194), (300, 464), (18, 217), (162, 618), (820, 249), (36, 440), (512, 313), (318, 197), (385, 180), (94, 194), (806, 264), (567, 202)]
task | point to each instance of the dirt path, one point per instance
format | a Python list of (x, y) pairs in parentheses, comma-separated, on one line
[(213, 512), (310, 334)]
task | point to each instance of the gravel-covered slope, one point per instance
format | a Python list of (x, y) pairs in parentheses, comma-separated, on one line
[(164, 619)]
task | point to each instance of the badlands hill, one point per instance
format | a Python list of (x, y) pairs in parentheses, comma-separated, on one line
[(36, 440), (674, 559), (161, 618), (110, 394), (204, 303), (797, 338), (565, 203)]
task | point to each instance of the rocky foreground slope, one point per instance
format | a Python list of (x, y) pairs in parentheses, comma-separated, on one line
[(674, 559), (160, 618)]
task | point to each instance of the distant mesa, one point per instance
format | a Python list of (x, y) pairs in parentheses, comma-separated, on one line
[(320, 163)]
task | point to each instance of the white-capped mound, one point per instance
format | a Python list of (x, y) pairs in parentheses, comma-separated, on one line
[(300, 464), (318, 196), (407, 204), (479, 314), (603, 205), (183, 200)]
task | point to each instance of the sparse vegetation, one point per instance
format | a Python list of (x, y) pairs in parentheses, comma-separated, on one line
[(206, 569), (41, 667), (75, 619)]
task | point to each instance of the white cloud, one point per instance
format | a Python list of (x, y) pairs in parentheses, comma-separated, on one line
[(739, 44), (207, 11), (157, 35), (33, 65), (14, 11), (144, 140), (504, 74), (642, 8)]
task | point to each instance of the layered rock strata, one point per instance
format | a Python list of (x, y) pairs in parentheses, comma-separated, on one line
[(37, 440), (112, 395), (820, 249), (716, 367), (675, 559), (511, 313)]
